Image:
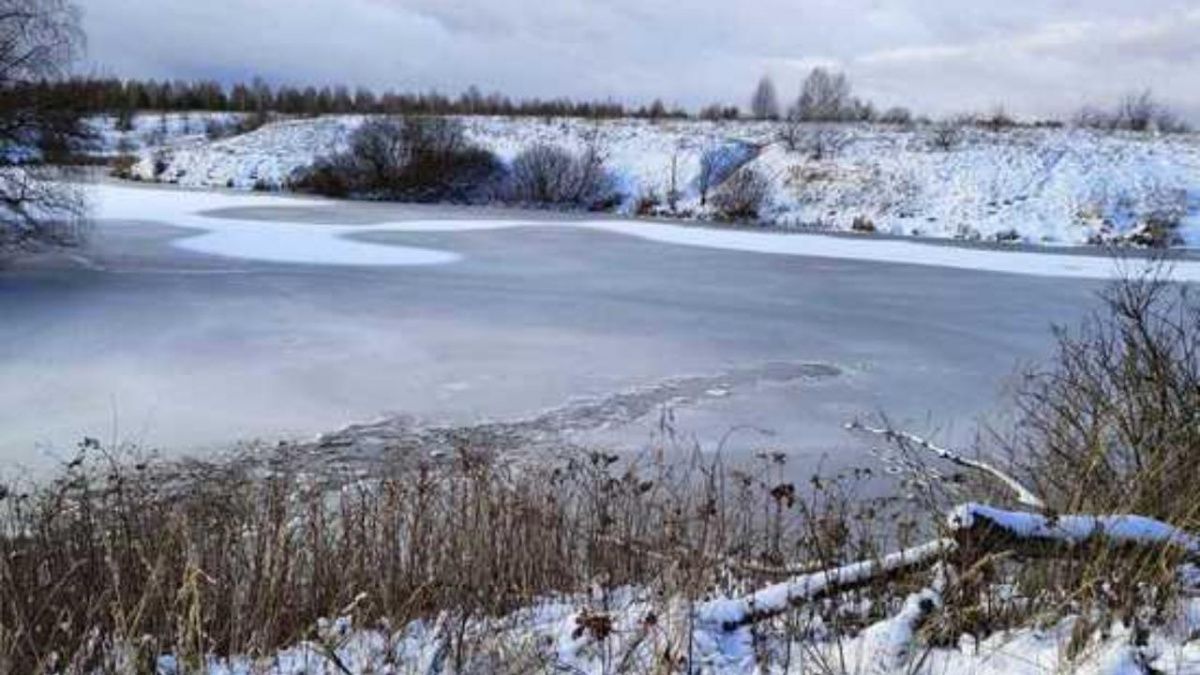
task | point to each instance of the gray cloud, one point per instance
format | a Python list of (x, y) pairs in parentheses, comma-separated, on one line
[(937, 55)]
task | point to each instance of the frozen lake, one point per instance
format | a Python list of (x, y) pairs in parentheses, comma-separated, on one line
[(269, 318)]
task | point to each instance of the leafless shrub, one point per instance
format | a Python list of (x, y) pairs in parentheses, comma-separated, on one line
[(1109, 426), (791, 131), (743, 195), (1157, 230), (550, 175), (764, 104), (945, 136), (823, 142), (825, 97), (1135, 112), (1113, 422), (996, 120), (897, 116), (863, 224), (38, 39), (718, 112), (648, 202), (418, 158)]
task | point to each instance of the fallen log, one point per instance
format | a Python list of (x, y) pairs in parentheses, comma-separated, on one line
[(979, 529), (976, 531), (779, 598)]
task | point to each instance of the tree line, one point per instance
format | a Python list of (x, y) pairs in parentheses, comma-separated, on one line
[(824, 96), (123, 97)]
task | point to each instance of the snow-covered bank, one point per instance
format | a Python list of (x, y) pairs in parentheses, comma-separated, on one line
[(548, 638), (1052, 186), (280, 240), (147, 132)]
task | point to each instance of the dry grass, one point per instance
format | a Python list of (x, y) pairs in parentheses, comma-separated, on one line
[(116, 555), (1110, 425)]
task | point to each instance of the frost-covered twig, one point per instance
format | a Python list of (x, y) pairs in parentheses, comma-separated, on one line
[(1035, 534), (1024, 494), (779, 598)]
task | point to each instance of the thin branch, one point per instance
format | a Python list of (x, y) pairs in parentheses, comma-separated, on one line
[(1024, 494)]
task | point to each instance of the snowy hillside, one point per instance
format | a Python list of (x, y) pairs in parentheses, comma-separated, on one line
[(1052, 186), (152, 130)]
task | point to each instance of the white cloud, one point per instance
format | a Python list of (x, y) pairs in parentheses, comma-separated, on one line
[(1037, 57)]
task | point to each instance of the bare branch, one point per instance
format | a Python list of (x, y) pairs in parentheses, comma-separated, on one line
[(1024, 495)]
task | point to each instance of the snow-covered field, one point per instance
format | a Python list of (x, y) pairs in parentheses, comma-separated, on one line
[(1050, 186)]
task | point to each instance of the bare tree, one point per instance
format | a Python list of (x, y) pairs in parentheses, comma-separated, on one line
[(764, 105), (791, 132), (1137, 111), (945, 136), (825, 97), (38, 39)]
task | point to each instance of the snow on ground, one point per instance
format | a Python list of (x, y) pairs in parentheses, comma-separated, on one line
[(151, 131), (281, 240), (1052, 186), (548, 638)]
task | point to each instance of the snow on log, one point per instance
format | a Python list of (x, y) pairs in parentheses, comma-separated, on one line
[(732, 614), (990, 528), (977, 529)]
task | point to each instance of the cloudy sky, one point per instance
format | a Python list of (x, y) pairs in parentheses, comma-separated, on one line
[(1038, 57)]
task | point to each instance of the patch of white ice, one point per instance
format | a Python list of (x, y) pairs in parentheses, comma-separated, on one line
[(283, 241), (271, 241)]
